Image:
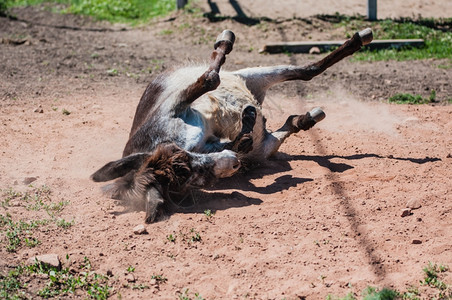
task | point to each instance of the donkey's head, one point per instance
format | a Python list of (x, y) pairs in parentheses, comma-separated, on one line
[(152, 177)]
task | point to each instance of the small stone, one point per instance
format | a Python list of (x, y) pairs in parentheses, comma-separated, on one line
[(414, 204), (416, 242), (153, 281), (50, 260), (406, 212), (109, 273), (39, 110), (314, 50), (140, 229), (130, 277)]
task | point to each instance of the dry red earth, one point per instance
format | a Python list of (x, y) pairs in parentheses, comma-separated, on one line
[(323, 217)]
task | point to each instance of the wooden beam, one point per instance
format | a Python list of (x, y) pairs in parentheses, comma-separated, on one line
[(325, 46)]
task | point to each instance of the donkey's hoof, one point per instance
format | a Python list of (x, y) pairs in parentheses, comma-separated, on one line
[(317, 114), (311, 118), (366, 36), (227, 39)]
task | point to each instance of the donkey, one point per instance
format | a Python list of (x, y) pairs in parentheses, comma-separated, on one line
[(196, 124)]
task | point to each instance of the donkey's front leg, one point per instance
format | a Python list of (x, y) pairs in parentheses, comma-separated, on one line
[(210, 80), (293, 124)]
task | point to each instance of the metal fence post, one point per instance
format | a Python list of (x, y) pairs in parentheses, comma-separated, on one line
[(181, 3), (372, 10)]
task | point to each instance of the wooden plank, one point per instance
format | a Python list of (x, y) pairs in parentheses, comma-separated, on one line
[(325, 46)]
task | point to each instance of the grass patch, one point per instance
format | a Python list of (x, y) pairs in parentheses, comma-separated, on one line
[(436, 33), (53, 282), (412, 99), (14, 233), (432, 278), (19, 233), (123, 11)]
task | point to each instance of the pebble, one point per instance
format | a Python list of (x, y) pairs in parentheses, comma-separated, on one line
[(50, 260), (416, 242), (414, 204), (406, 212), (140, 229), (314, 50), (130, 277), (39, 110)]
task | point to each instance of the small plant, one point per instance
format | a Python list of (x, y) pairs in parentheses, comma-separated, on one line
[(208, 213), (349, 296), (166, 32), (131, 269), (66, 112), (62, 223), (140, 287), (196, 237), (371, 293), (171, 238), (112, 72), (431, 278), (185, 296), (159, 278)]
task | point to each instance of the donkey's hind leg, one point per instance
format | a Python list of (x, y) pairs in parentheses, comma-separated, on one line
[(260, 79), (293, 124), (243, 143)]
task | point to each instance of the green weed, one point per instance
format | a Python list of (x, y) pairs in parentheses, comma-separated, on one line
[(208, 213), (403, 98), (131, 269), (349, 296), (19, 233), (159, 278), (432, 272), (371, 293), (186, 296), (58, 283), (64, 224), (171, 238), (195, 236), (15, 234), (112, 72)]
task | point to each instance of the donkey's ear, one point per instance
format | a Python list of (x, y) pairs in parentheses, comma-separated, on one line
[(119, 167), (154, 204)]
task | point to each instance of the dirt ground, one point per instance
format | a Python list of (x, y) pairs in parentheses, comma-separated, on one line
[(323, 217)]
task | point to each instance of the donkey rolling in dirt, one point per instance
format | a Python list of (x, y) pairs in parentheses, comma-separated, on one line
[(196, 124)]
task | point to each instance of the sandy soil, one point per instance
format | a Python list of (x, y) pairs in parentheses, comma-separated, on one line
[(323, 217), (302, 9)]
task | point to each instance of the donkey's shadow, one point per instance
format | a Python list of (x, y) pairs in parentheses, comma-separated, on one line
[(214, 199), (220, 197)]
